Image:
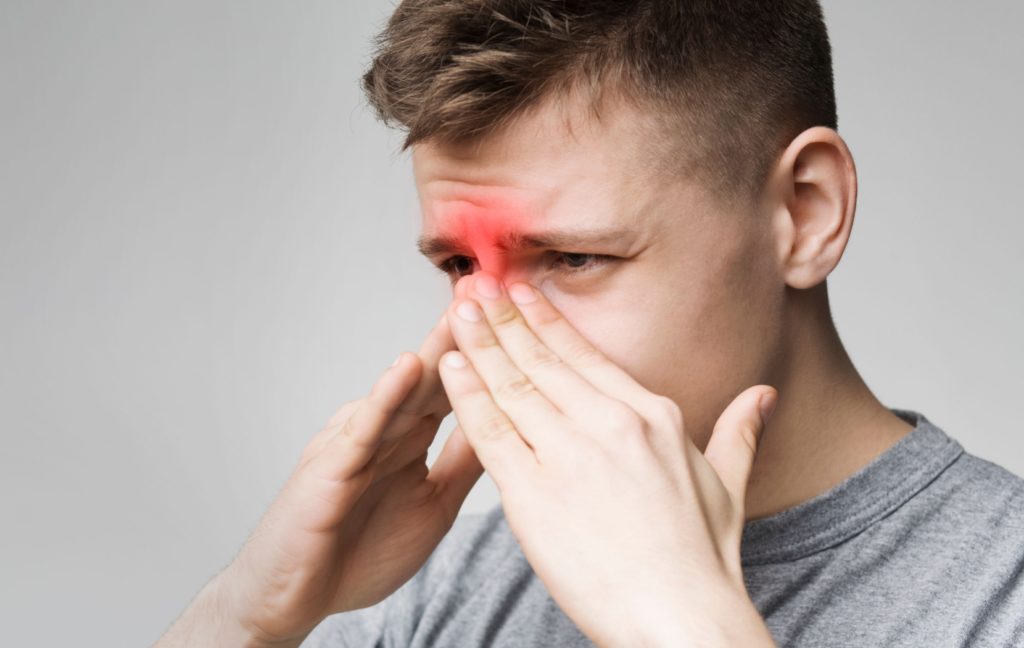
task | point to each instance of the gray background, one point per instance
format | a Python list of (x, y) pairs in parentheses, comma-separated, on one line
[(206, 247)]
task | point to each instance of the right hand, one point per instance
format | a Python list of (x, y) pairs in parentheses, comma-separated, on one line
[(361, 512)]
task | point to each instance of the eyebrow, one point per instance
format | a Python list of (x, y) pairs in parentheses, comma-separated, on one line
[(517, 241)]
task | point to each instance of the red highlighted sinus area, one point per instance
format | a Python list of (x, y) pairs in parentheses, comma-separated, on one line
[(486, 231)]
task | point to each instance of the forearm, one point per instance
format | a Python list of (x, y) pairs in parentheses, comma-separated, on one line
[(210, 621), (735, 627), (718, 619)]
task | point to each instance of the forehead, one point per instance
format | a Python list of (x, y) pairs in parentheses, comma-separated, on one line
[(554, 167)]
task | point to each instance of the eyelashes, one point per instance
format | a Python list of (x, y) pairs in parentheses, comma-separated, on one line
[(559, 262)]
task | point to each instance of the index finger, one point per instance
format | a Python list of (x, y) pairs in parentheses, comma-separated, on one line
[(551, 327), (427, 397)]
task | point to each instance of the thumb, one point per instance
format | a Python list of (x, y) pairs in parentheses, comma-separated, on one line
[(455, 471), (735, 439)]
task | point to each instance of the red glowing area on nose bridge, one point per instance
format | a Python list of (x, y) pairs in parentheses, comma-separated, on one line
[(485, 231)]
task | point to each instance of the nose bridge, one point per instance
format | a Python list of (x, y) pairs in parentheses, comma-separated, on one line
[(510, 275), (485, 234), (487, 252)]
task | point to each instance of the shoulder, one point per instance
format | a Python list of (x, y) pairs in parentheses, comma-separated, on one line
[(971, 514), (953, 487), (980, 550), (983, 490), (983, 482)]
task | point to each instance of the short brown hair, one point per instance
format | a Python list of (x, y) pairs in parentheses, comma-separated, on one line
[(733, 81)]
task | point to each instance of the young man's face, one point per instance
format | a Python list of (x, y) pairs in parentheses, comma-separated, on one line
[(690, 305)]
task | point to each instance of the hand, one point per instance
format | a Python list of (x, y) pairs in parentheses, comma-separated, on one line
[(634, 532), (361, 513)]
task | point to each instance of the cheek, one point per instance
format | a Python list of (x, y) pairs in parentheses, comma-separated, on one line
[(646, 326), (617, 325)]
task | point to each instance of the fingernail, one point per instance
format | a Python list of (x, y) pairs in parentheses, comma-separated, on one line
[(397, 360), (767, 404), (487, 285), (468, 311), (522, 293), (455, 359)]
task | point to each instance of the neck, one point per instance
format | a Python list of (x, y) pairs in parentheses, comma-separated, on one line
[(827, 425)]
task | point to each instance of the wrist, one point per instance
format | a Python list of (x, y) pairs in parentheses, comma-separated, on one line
[(211, 620), (234, 627), (717, 617)]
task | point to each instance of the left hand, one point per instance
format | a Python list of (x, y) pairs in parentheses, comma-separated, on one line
[(634, 532)]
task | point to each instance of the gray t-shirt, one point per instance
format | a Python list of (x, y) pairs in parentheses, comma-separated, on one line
[(924, 546)]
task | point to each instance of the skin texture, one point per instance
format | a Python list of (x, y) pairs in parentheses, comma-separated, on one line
[(706, 300), (707, 307), (585, 457), (357, 517)]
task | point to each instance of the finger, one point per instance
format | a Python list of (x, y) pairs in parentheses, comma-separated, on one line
[(491, 433), (394, 455), (735, 439), (551, 327), (351, 448), (462, 285), (455, 471), (511, 390), (570, 392), (333, 425), (427, 397)]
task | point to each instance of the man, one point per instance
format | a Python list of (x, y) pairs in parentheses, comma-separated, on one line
[(638, 204)]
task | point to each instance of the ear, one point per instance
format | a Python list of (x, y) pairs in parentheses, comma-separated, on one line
[(812, 194)]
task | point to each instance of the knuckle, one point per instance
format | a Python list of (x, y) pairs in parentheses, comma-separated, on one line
[(622, 420), (496, 427), (398, 424), (349, 436), (343, 413), (380, 407), (315, 445), (516, 388), (583, 354), (626, 425), (666, 409), (748, 435), (504, 317), (379, 392), (487, 341), (545, 317), (538, 356), (635, 440)]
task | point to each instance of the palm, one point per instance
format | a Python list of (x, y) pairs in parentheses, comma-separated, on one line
[(330, 557)]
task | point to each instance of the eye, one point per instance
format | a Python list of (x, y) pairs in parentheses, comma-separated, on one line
[(455, 264), (575, 262), (564, 262)]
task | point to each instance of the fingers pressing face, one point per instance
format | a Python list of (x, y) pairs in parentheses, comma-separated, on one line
[(534, 365), (493, 331), (542, 343)]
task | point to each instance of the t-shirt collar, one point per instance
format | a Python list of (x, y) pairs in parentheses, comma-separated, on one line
[(848, 508)]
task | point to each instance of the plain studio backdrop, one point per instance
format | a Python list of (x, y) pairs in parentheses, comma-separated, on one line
[(207, 246)]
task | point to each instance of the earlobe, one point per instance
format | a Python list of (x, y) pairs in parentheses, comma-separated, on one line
[(819, 193)]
